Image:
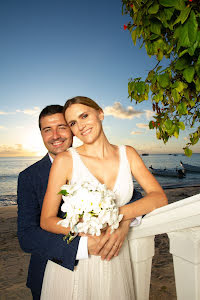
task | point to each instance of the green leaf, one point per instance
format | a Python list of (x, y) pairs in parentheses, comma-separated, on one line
[(181, 64), (153, 9), (197, 82), (168, 3), (168, 13), (183, 15), (130, 87), (149, 48), (164, 80), (179, 4), (175, 95), (177, 32), (158, 45), (63, 192), (192, 49), (148, 3), (198, 60), (171, 130), (179, 86), (160, 55), (188, 152), (150, 75), (182, 109), (134, 36), (194, 138), (140, 87), (168, 124), (156, 98), (154, 36), (158, 135), (183, 52), (176, 132), (189, 31), (188, 74), (181, 125), (191, 103), (155, 27)]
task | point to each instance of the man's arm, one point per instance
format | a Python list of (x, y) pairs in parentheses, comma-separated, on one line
[(32, 238)]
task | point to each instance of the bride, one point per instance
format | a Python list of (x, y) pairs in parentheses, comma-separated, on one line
[(96, 161)]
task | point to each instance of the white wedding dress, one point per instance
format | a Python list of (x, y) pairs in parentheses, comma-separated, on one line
[(92, 278)]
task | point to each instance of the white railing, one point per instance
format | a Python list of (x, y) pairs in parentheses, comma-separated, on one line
[(181, 221)]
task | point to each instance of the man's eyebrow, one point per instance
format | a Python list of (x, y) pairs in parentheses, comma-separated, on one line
[(48, 127)]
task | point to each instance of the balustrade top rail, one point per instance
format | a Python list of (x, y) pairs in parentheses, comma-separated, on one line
[(172, 217)]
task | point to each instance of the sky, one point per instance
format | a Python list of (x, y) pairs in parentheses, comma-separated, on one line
[(54, 50)]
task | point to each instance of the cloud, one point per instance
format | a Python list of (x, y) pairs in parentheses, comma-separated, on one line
[(136, 132), (2, 127), (32, 112), (141, 125), (118, 111), (15, 150), (149, 114), (6, 113)]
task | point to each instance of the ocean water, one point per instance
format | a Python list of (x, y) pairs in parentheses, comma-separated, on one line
[(11, 166)]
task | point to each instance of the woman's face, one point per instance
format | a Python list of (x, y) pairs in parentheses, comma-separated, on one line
[(85, 122)]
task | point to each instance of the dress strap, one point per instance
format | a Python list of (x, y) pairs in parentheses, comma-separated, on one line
[(76, 164), (123, 156)]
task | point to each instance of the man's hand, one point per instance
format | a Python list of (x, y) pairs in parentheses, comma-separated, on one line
[(109, 245), (93, 242)]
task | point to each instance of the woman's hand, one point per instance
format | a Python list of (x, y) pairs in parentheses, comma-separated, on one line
[(108, 245)]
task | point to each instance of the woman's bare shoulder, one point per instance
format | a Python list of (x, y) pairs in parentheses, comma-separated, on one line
[(130, 150), (132, 155), (64, 157)]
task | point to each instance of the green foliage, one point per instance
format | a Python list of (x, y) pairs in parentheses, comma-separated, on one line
[(169, 29), (63, 192)]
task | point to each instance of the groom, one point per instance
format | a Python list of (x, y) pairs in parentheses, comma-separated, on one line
[(32, 184)]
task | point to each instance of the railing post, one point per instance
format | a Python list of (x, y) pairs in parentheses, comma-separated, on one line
[(141, 252), (185, 248)]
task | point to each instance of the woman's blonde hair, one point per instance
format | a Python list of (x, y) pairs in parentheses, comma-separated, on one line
[(81, 100)]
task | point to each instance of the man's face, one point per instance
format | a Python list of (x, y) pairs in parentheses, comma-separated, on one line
[(56, 134)]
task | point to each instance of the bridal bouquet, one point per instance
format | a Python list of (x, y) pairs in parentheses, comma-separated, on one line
[(89, 208)]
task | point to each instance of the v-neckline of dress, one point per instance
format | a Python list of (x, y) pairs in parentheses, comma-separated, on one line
[(117, 177)]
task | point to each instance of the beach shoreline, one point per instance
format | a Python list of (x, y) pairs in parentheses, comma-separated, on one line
[(14, 262)]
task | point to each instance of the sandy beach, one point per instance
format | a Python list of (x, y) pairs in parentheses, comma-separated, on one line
[(14, 262)]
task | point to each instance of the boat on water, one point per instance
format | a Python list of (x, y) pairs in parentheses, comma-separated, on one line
[(145, 154), (168, 172), (190, 168)]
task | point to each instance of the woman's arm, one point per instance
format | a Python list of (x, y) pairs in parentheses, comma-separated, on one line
[(155, 196), (61, 171)]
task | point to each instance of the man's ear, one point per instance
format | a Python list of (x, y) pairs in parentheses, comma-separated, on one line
[(101, 115)]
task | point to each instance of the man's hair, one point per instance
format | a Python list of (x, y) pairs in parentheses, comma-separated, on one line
[(50, 110)]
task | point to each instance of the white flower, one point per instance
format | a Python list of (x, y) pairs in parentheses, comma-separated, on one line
[(91, 202)]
